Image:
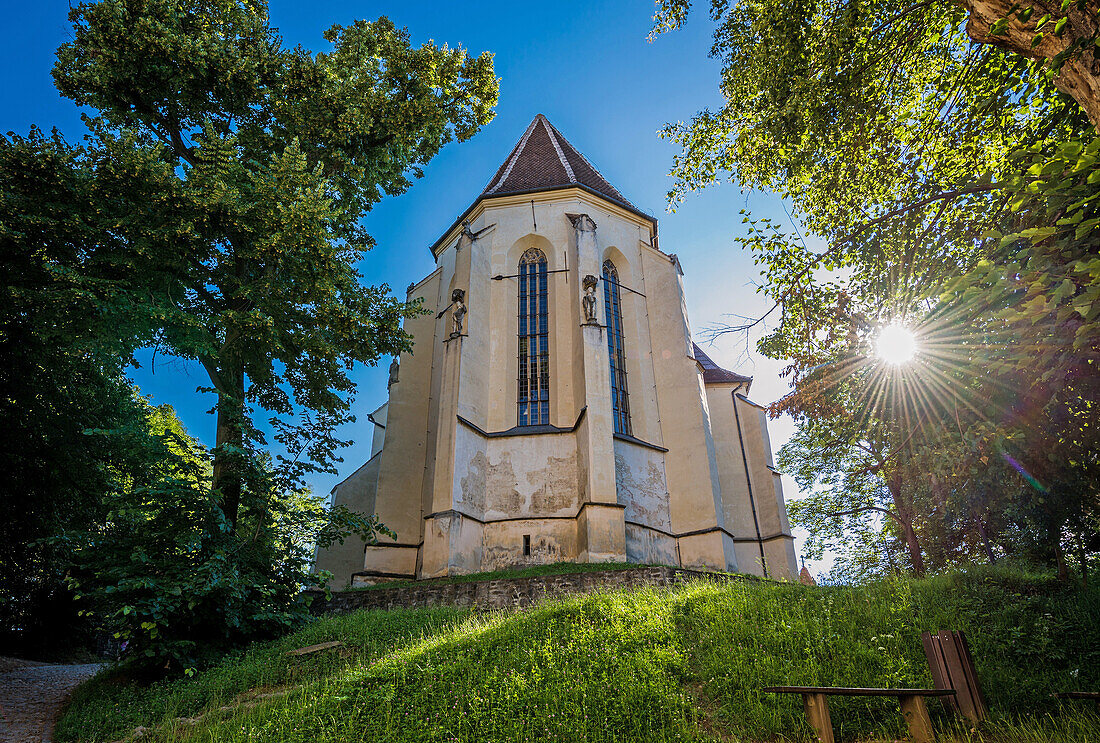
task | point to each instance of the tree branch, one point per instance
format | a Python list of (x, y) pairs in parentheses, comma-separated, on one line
[(852, 235), (898, 16), (167, 133), (862, 509), (212, 372)]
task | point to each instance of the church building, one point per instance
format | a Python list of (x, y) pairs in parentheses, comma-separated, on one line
[(554, 407)]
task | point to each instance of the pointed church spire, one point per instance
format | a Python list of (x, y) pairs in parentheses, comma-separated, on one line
[(544, 159)]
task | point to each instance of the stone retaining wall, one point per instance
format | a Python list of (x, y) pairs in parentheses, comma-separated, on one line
[(507, 593)]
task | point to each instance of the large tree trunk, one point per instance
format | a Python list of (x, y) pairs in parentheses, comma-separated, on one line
[(1080, 75), (912, 544), (983, 534), (904, 517), (1082, 556), (1060, 561), (230, 436)]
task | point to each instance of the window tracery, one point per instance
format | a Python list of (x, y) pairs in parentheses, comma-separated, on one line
[(616, 351), (534, 340)]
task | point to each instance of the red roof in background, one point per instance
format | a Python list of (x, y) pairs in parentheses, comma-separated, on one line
[(544, 159), (712, 373)]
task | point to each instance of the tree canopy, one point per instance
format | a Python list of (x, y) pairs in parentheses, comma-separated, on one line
[(953, 179), (213, 211), (269, 158)]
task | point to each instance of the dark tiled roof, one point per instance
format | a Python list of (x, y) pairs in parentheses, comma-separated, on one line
[(544, 159), (712, 373)]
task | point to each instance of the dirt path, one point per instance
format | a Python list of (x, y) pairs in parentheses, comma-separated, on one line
[(31, 696)]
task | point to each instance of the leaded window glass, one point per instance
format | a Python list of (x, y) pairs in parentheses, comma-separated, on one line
[(616, 351), (534, 340)]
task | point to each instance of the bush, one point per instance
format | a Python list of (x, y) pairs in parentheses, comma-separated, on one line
[(167, 575)]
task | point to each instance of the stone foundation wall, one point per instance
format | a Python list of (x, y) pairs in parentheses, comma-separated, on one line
[(509, 593)]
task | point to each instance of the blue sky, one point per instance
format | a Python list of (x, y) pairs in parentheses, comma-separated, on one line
[(587, 66)]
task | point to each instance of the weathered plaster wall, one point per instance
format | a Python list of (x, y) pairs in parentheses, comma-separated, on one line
[(517, 486), (691, 470), (408, 436), (357, 493), (643, 491), (551, 540), (646, 546), (515, 476), (641, 485), (770, 507), (452, 545)]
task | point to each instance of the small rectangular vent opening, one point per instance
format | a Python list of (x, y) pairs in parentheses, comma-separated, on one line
[(526, 545)]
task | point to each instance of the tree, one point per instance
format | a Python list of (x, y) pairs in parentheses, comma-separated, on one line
[(164, 573), (213, 210), (957, 192), (850, 473), (72, 317), (1060, 36), (271, 157)]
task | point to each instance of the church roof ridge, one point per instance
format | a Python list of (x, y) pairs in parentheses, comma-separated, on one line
[(544, 159)]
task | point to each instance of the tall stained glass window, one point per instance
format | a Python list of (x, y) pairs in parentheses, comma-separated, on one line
[(616, 352), (534, 341)]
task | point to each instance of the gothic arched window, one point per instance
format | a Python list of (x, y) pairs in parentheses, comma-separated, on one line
[(616, 352), (534, 340)]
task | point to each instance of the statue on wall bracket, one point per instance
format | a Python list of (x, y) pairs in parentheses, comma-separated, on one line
[(458, 297), (395, 366), (588, 301)]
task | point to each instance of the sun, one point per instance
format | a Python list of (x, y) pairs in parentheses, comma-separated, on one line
[(895, 344)]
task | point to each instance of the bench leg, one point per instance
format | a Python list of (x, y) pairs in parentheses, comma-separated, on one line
[(817, 712), (916, 714)]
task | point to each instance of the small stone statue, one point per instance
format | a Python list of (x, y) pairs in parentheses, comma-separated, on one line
[(466, 237), (458, 315), (588, 301), (394, 367)]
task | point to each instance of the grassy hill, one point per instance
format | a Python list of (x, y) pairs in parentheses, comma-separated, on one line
[(682, 664)]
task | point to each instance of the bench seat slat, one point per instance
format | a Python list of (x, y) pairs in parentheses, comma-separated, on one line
[(859, 692)]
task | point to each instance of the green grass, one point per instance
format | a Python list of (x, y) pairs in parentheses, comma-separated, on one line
[(646, 665), (557, 568)]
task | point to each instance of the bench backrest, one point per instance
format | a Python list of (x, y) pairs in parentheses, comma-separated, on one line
[(952, 668)]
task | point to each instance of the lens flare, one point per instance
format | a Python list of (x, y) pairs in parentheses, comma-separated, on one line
[(895, 344)]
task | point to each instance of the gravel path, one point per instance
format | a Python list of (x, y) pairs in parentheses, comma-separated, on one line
[(31, 697)]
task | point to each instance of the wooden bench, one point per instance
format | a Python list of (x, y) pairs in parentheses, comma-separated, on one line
[(814, 698), (952, 668), (1093, 695)]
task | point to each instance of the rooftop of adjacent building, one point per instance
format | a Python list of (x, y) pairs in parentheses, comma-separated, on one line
[(713, 373)]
